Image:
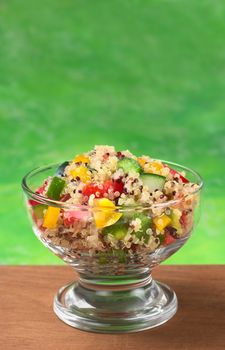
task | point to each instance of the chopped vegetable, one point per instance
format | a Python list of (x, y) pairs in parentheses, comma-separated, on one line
[(104, 213), (39, 210), (168, 239), (162, 221), (33, 203), (153, 167), (72, 216), (129, 164), (69, 218), (114, 185), (91, 188), (175, 220), (105, 257), (40, 190), (81, 158), (141, 161), (174, 173), (153, 181), (56, 187), (161, 237), (145, 224), (120, 254), (186, 219), (82, 173), (51, 217), (99, 191), (119, 231)]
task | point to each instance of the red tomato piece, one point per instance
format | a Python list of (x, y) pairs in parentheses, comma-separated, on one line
[(69, 218), (69, 221), (114, 185), (72, 216), (118, 186), (90, 189), (40, 190), (32, 202), (185, 219), (169, 239), (174, 173)]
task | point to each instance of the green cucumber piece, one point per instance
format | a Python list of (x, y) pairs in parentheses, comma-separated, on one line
[(106, 257), (39, 210), (119, 231), (129, 164), (120, 255), (145, 224), (161, 238), (56, 187), (153, 181)]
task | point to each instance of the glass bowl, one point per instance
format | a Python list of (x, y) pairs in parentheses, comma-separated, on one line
[(115, 291)]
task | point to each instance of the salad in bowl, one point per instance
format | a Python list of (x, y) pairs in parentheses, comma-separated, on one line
[(113, 216)]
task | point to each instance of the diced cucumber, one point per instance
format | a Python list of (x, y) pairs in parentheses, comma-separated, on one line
[(120, 255), (145, 224), (119, 231), (129, 164), (153, 181), (106, 257), (39, 210), (55, 189), (161, 238), (61, 168)]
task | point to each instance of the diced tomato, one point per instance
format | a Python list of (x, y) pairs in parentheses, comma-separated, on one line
[(169, 239), (32, 202), (114, 185), (90, 189), (184, 179), (185, 219), (40, 190), (69, 221), (72, 216), (174, 173)]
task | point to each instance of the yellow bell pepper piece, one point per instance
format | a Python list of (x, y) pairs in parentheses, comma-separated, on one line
[(161, 222), (104, 213), (156, 165), (150, 167), (153, 167), (81, 158), (141, 161), (175, 218), (82, 172), (51, 217)]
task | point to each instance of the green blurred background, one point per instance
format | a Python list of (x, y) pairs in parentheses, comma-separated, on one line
[(144, 75)]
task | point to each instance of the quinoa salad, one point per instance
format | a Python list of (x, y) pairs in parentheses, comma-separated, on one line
[(113, 200)]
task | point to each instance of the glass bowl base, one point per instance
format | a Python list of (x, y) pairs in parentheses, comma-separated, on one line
[(107, 309)]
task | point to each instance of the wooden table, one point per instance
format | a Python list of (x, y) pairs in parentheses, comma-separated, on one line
[(28, 322)]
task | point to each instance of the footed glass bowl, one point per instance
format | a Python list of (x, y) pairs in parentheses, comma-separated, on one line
[(115, 292)]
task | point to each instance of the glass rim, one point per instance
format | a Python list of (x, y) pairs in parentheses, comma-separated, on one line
[(86, 207)]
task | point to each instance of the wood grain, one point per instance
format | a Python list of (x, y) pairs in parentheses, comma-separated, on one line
[(28, 322)]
